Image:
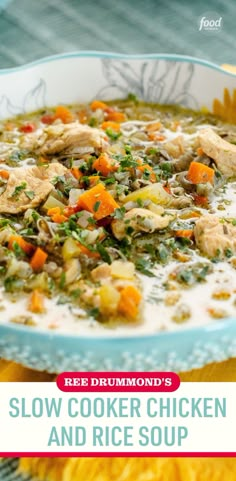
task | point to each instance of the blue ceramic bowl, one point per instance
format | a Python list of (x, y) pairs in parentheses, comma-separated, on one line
[(80, 77)]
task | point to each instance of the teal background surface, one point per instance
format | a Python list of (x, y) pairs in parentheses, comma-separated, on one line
[(30, 29)]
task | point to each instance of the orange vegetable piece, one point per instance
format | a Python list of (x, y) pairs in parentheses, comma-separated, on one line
[(4, 174), (98, 104), (199, 173), (167, 189), (188, 233), (36, 303), (98, 201), (108, 124), (116, 116), (93, 180), (55, 214), (64, 114), (88, 252), (156, 137), (76, 173), (59, 218), (104, 164), (25, 246), (199, 199), (53, 211), (71, 209), (38, 260), (146, 167), (130, 298)]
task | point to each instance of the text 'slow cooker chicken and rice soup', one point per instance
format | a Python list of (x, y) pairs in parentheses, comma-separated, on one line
[(117, 217)]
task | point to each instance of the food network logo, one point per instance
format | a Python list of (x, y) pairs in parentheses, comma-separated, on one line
[(210, 22)]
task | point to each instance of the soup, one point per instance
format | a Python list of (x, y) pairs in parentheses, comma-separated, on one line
[(117, 217)]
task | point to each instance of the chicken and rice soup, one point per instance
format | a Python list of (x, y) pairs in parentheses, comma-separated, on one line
[(117, 217)]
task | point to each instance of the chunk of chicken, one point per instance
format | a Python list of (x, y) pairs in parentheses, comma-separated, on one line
[(221, 151), (139, 220), (103, 271), (214, 237), (50, 171), (35, 180), (65, 139)]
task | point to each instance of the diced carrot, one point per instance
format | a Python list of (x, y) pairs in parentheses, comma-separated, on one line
[(200, 151), (59, 218), (56, 215), (36, 303), (108, 124), (64, 114), (146, 167), (116, 116), (155, 137), (104, 164), (93, 180), (98, 201), (25, 246), (53, 211), (4, 174), (88, 252), (199, 173), (153, 127), (98, 104), (76, 172), (38, 260), (130, 298), (188, 233)]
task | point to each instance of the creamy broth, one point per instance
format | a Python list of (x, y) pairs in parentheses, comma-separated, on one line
[(117, 219)]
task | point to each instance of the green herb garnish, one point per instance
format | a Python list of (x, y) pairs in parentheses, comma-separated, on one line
[(18, 190)]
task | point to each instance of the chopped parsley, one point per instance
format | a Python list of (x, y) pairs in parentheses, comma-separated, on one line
[(119, 213), (143, 265), (18, 190), (103, 253), (96, 205), (112, 134), (62, 280)]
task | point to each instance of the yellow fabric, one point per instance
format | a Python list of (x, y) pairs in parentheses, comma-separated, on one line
[(230, 68), (131, 469)]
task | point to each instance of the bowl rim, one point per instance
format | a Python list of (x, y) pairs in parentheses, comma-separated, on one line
[(191, 331), (119, 56)]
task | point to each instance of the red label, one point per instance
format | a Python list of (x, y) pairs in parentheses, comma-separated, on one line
[(118, 382)]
